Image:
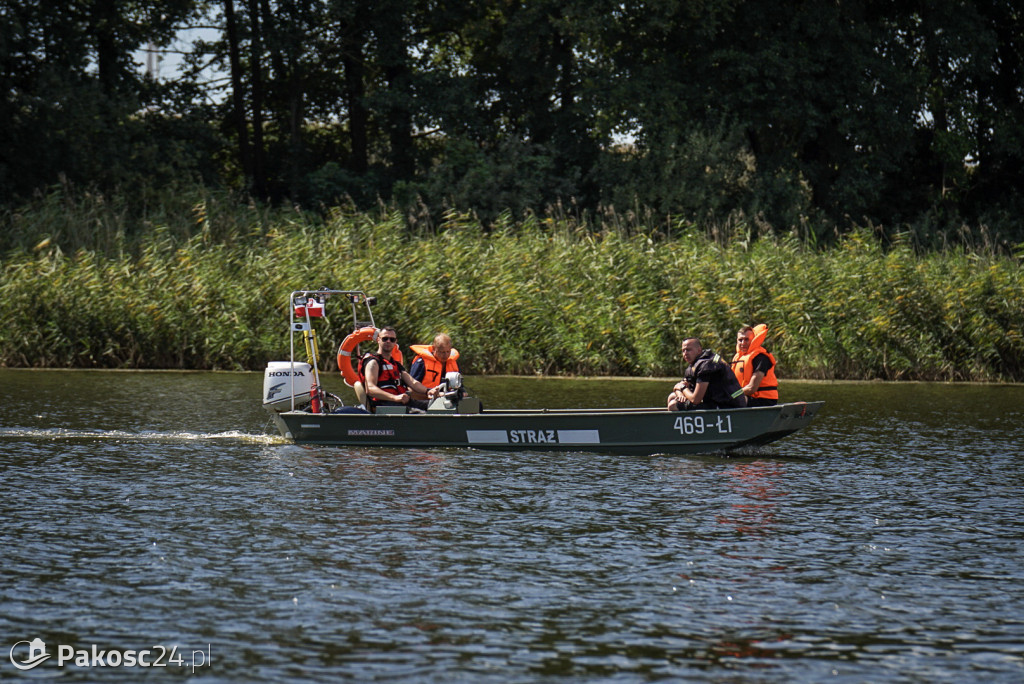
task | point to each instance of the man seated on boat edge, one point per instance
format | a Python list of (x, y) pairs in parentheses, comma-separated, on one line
[(754, 367), (434, 362), (708, 382), (385, 380)]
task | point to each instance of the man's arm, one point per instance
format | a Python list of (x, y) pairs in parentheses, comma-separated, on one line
[(417, 386), (418, 369), (762, 364), (755, 382), (695, 395)]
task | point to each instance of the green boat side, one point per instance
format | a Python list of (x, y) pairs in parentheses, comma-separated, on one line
[(637, 431)]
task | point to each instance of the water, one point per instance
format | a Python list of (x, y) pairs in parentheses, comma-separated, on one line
[(154, 511)]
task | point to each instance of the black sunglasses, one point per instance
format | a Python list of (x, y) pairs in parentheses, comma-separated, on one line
[(389, 339)]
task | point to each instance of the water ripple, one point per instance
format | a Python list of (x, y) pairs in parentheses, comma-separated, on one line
[(869, 548)]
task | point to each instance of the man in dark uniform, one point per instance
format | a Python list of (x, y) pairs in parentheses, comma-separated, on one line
[(708, 382)]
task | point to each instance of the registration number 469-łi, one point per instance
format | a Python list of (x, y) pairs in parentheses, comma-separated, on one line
[(697, 425)]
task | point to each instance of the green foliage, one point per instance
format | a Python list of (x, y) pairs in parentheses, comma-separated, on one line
[(816, 117), (75, 107), (542, 296), (517, 177), (111, 224)]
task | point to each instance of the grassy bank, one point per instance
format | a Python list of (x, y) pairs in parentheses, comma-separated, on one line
[(550, 297)]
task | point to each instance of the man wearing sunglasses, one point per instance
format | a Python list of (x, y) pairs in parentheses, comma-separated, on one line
[(386, 381)]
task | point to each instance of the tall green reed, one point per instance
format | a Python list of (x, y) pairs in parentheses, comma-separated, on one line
[(543, 295)]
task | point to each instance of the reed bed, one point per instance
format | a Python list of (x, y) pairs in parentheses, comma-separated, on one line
[(542, 296)]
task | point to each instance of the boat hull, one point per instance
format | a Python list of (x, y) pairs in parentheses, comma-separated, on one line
[(621, 431)]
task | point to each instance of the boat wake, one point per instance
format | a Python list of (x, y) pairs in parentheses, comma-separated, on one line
[(56, 434)]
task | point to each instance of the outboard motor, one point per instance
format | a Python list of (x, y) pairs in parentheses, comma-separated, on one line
[(452, 384), (452, 392), (283, 378)]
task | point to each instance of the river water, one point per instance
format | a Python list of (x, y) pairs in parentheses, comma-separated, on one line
[(153, 518)]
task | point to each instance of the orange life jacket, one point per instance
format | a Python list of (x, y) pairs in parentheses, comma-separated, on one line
[(435, 370), (743, 366)]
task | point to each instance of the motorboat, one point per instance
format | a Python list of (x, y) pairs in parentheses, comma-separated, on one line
[(306, 414)]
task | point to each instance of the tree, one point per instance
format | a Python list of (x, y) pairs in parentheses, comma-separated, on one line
[(72, 92), (821, 114), (515, 94)]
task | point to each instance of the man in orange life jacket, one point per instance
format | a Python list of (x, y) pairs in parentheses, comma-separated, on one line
[(387, 383), (433, 362), (754, 367), (707, 384)]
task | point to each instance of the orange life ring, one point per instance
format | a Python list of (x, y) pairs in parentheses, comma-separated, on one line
[(348, 371)]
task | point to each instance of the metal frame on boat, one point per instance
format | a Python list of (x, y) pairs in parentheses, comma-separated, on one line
[(308, 415)]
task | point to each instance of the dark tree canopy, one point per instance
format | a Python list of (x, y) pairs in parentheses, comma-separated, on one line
[(794, 113)]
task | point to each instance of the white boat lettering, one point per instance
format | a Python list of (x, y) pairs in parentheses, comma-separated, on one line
[(371, 433), (532, 436), (696, 425)]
